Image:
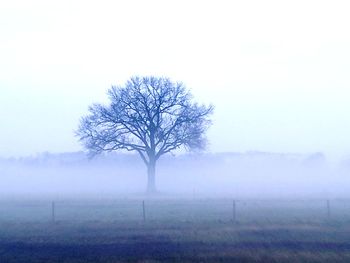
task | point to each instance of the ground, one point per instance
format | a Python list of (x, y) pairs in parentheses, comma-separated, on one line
[(173, 237)]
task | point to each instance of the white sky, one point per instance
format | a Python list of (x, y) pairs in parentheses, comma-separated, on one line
[(277, 71)]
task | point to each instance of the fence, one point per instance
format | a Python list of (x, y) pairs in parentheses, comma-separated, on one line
[(176, 210)]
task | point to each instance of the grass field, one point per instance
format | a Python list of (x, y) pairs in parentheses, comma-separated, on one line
[(174, 231)]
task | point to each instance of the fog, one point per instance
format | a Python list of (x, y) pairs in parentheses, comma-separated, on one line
[(250, 175), (174, 131), (276, 72)]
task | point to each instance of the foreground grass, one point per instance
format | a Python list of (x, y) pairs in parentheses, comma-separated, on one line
[(174, 241)]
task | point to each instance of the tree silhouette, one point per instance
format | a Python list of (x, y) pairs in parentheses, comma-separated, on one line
[(150, 115)]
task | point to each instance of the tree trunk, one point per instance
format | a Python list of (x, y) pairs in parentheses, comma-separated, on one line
[(151, 172)]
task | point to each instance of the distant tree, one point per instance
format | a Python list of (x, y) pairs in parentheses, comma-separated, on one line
[(150, 115)]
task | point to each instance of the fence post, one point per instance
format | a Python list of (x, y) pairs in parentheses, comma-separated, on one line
[(234, 211), (328, 209), (53, 211), (144, 210)]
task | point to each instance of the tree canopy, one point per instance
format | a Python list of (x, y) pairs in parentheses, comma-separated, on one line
[(149, 115)]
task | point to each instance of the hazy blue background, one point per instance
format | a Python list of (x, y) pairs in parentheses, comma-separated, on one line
[(277, 71)]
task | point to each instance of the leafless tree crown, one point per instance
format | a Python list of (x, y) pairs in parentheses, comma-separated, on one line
[(150, 115)]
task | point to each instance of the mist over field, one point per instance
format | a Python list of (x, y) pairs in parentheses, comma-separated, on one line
[(220, 131), (230, 175)]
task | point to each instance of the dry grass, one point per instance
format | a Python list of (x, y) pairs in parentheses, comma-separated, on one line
[(175, 231), (173, 242)]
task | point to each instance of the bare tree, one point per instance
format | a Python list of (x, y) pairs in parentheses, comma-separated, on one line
[(150, 115)]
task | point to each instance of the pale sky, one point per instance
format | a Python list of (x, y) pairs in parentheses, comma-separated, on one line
[(278, 72)]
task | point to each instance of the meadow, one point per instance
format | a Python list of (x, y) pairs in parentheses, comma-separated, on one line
[(174, 230)]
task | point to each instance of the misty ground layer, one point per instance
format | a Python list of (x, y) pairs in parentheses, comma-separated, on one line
[(96, 241)]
